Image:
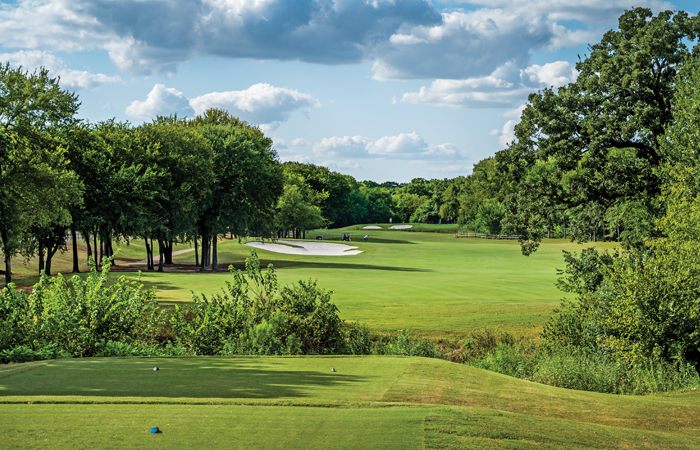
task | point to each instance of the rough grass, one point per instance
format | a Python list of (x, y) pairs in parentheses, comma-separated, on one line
[(370, 402)]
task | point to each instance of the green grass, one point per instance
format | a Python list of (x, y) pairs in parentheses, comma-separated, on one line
[(370, 402), (429, 283)]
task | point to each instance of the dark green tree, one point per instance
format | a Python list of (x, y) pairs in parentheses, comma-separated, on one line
[(593, 145)]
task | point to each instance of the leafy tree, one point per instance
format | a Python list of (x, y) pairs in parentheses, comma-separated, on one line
[(643, 305), (246, 183), (337, 206), (182, 160), (298, 206), (594, 145), (37, 187)]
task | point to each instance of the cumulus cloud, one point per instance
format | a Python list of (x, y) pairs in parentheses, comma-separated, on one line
[(340, 165), (506, 135), (300, 142), (504, 86), (75, 79), (405, 39), (553, 74), (453, 169), (161, 101), (404, 145), (261, 104), (341, 146)]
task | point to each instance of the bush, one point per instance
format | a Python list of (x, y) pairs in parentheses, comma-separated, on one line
[(254, 316), (21, 354), (76, 314)]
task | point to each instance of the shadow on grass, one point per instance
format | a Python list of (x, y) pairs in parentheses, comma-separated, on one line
[(374, 240), (343, 266), (176, 377)]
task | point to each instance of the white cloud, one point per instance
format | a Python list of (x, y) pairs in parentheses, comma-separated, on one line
[(296, 158), (341, 146), (404, 145), (504, 86), (76, 79), (554, 74), (300, 142), (340, 165), (160, 101), (406, 39), (397, 145), (458, 169), (261, 103), (506, 135)]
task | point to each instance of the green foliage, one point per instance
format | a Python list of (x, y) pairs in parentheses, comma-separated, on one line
[(121, 349), (253, 315), (592, 148), (488, 218), (77, 314), (21, 354)]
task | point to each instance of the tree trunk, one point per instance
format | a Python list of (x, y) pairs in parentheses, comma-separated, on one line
[(151, 261), (94, 241), (564, 229), (86, 236), (168, 251), (74, 236), (196, 253), (214, 257), (42, 266), (618, 233), (8, 260), (161, 248), (50, 252), (205, 244), (148, 254)]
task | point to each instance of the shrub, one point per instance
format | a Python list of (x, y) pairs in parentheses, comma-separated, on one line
[(254, 316)]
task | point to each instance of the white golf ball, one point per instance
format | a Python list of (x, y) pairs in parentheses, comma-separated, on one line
[(155, 369)]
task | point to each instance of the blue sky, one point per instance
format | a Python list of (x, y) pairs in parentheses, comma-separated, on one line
[(379, 89)]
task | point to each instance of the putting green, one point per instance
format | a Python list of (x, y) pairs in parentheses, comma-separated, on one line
[(369, 402)]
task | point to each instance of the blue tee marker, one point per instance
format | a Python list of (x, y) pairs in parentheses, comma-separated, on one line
[(155, 430)]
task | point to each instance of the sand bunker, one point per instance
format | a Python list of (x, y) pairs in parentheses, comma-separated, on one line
[(400, 227), (317, 248), (371, 227)]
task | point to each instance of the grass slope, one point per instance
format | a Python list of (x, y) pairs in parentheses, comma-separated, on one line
[(370, 402)]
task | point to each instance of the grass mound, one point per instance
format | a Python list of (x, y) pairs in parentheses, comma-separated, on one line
[(368, 402)]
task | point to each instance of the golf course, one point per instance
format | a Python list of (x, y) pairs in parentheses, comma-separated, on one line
[(432, 284)]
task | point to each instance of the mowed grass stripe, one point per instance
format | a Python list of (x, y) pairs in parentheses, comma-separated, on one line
[(358, 381)]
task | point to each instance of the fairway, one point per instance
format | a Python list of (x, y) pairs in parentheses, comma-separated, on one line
[(426, 282), (429, 283), (369, 402)]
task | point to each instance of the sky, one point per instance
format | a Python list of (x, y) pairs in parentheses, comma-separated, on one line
[(383, 90)]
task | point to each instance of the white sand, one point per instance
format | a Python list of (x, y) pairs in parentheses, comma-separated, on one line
[(314, 248), (400, 227), (371, 227)]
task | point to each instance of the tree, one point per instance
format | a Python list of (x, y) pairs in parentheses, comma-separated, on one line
[(298, 206), (37, 186), (643, 305), (593, 145), (246, 183), (181, 160)]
